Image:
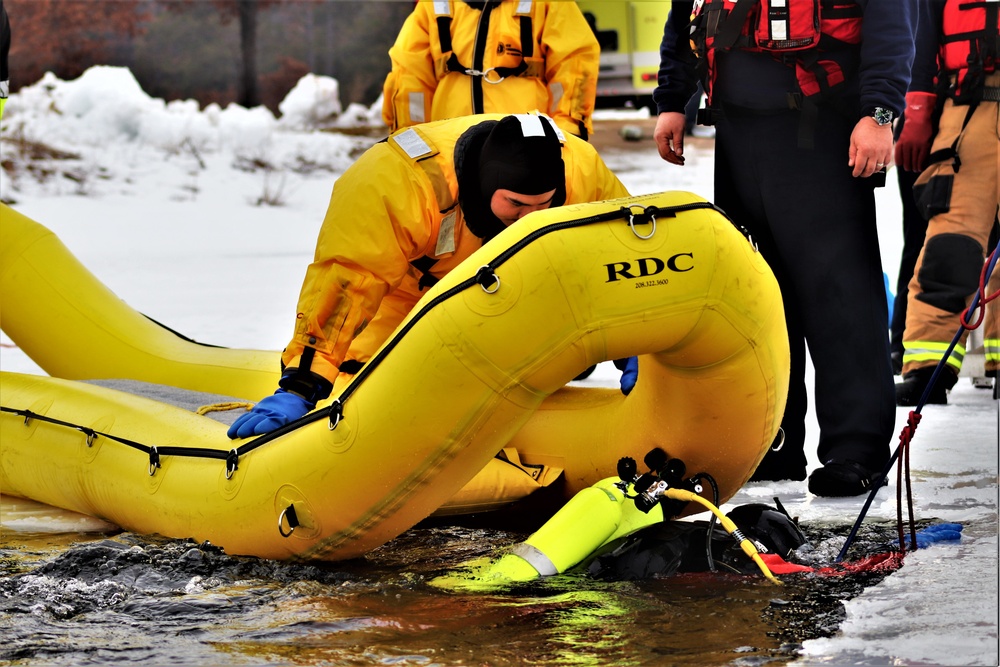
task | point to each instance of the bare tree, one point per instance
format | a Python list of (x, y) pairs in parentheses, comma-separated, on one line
[(245, 13), (68, 36)]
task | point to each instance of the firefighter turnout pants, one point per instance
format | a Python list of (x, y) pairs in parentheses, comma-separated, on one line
[(960, 196)]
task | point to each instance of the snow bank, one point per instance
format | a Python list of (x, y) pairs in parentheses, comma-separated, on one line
[(91, 134)]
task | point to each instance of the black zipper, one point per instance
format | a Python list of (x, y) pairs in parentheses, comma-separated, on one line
[(478, 56)]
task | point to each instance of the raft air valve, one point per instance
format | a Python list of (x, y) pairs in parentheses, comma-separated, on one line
[(665, 485), (651, 487)]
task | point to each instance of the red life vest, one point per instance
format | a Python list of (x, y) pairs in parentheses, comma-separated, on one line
[(797, 32), (970, 41)]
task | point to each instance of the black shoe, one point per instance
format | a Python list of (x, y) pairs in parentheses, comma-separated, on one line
[(909, 391), (842, 478), (777, 473)]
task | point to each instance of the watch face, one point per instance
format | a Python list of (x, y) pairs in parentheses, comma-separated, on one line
[(882, 116)]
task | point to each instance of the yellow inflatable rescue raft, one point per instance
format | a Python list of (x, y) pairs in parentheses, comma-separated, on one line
[(479, 366)]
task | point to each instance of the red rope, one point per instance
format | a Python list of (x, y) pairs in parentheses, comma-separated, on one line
[(983, 300), (899, 499), (905, 436), (909, 502)]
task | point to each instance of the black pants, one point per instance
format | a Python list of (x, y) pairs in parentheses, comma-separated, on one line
[(815, 225)]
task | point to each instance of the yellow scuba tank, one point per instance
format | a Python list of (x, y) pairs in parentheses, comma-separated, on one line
[(593, 518)]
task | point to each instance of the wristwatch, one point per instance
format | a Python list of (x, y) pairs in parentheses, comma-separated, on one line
[(882, 115)]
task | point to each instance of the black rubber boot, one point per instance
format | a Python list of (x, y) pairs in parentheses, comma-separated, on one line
[(783, 464), (842, 478), (909, 391)]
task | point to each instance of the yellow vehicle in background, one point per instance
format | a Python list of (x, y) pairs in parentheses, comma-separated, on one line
[(629, 34)]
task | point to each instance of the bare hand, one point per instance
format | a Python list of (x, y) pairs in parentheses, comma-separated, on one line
[(669, 136), (871, 147)]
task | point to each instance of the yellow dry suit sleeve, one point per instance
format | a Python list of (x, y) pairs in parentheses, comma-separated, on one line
[(588, 179), (409, 88), (572, 58), (376, 222)]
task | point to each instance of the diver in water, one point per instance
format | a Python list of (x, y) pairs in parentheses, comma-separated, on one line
[(622, 529), (672, 547), (676, 547)]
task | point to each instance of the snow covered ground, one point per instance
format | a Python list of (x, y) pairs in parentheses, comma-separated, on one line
[(206, 220)]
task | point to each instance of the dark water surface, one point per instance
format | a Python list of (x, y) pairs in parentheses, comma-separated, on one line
[(84, 599)]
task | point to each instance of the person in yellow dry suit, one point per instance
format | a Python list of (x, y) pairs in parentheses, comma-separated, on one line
[(455, 58), (402, 216)]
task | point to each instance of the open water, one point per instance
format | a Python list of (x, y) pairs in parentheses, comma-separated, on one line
[(80, 598)]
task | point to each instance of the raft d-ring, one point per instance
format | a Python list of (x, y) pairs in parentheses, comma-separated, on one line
[(336, 414), (631, 224), (154, 460), (484, 272), (90, 438), (232, 463), (781, 441), (287, 514)]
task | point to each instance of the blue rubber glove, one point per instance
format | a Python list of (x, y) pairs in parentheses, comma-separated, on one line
[(630, 372), (941, 532), (271, 412)]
